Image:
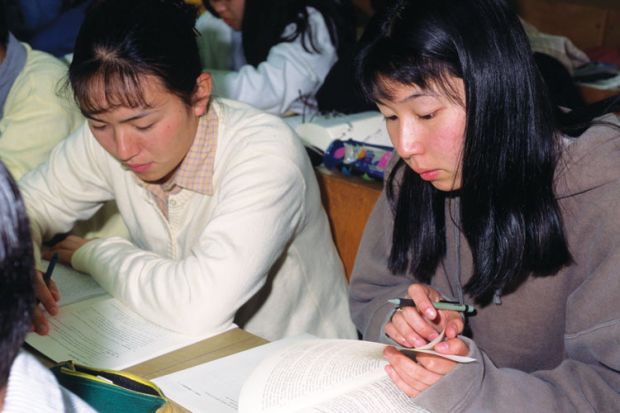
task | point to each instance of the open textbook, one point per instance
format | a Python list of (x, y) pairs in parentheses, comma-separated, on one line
[(299, 374), (95, 329)]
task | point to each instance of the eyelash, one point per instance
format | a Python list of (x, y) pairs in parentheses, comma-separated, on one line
[(427, 117), (423, 117), (144, 128)]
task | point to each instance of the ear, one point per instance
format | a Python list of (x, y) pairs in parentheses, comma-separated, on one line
[(202, 94)]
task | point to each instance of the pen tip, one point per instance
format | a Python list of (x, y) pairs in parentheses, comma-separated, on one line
[(394, 301)]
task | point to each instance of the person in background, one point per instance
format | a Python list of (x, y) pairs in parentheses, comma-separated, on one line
[(493, 202), (220, 200), (25, 384), (274, 54), (34, 116), (47, 25)]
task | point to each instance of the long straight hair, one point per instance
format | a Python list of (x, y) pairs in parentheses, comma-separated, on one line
[(508, 210), (264, 22)]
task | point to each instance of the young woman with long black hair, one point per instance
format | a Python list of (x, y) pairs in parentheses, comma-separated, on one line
[(492, 201)]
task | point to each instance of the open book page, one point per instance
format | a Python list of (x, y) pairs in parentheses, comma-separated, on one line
[(214, 387), (102, 332), (323, 372), (379, 396), (74, 286)]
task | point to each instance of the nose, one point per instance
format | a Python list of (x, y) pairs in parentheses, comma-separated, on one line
[(407, 141), (126, 145)]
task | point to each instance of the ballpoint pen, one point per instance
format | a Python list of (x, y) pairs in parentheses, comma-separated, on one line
[(440, 305), (47, 277)]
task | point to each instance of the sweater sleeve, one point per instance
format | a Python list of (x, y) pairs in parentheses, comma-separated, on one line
[(288, 73), (259, 208), (588, 380), (69, 187)]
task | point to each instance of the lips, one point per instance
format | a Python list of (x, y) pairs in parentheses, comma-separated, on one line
[(139, 168), (429, 175)]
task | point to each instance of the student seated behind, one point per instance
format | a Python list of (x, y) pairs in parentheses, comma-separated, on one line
[(274, 54), (25, 384), (491, 201), (220, 200), (34, 117)]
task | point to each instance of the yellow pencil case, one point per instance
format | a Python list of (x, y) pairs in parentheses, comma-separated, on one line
[(110, 390)]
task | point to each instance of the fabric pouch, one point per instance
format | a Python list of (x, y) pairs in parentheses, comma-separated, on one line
[(109, 390), (358, 158)]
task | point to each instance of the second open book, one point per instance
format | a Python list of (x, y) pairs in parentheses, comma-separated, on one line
[(305, 374)]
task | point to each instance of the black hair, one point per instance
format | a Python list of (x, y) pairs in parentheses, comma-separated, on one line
[(508, 210), (120, 41), (17, 299), (264, 22), (4, 25)]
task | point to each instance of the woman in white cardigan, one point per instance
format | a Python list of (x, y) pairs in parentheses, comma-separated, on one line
[(220, 200)]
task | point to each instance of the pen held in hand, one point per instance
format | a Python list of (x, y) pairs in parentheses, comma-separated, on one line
[(439, 305), (47, 277)]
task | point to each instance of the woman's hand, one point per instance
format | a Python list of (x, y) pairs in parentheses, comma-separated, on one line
[(413, 376), (416, 326), (47, 297), (65, 248)]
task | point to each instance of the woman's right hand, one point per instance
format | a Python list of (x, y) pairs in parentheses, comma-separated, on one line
[(47, 301), (416, 326)]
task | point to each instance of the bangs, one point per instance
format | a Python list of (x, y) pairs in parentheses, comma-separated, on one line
[(105, 83), (384, 86)]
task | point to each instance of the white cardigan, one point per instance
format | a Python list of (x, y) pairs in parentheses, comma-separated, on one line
[(263, 235), (276, 84)]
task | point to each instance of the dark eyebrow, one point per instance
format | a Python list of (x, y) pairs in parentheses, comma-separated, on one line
[(416, 95), (132, 118)]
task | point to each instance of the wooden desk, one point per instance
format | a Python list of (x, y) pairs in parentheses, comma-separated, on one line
[(348, 201)]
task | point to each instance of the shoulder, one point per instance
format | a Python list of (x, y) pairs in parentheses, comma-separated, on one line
[(44, 65), (243, 123), (245, 132), (43, 74), (32, 387), (591, 160)]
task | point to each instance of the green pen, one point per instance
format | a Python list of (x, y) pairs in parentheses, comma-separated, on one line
[(440, 305)]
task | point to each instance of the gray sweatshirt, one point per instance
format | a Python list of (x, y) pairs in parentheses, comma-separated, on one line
[(553, 345)]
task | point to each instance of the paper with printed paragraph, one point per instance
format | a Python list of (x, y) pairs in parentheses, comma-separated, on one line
[(95, 329), (325, 375)]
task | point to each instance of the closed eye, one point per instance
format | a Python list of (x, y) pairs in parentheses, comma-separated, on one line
[(428, 116), (144, 128)]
